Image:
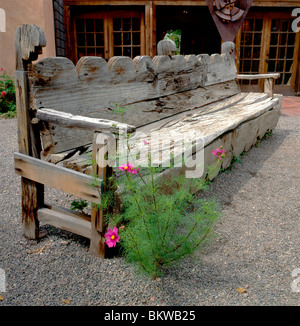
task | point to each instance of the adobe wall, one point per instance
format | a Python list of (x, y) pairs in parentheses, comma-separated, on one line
[(18, 12)]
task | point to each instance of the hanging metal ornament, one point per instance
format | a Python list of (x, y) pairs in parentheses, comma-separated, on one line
[(228, 16)]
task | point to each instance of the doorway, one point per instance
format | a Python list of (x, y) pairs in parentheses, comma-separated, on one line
[(267, 44), (194, 24)]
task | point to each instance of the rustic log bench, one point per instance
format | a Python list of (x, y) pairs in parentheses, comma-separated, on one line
[(64, 111)]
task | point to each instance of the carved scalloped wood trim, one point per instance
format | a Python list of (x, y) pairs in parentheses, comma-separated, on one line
[(29, 40)]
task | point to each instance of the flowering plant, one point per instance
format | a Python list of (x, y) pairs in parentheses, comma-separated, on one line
[(162, 220), (7, 97)]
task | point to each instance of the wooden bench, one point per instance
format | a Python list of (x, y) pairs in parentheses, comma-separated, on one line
[(64, 111)]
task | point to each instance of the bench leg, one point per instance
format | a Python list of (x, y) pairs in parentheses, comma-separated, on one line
[(32, 200), (101, 145)]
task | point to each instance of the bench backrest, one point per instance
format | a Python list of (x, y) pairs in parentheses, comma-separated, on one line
[(149, 89)]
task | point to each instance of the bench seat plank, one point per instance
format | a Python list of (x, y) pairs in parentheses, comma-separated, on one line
[(210, 121), (205, 125)]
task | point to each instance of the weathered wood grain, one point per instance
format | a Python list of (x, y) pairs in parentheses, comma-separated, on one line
[(93, 88), (29, 40), (146, 112), (65, 221), (202, 125), (32, 193), (268, 81), (166, 47), (258, 76), (73, 182), (101, 144), (67, 120)]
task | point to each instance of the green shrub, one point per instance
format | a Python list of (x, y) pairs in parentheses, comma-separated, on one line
[(7, 95), (175, 36), (161, 220)]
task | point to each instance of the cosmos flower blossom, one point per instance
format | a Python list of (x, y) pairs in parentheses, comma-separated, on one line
[(112, 237), (128, 168), (3, 93), (219, 152)]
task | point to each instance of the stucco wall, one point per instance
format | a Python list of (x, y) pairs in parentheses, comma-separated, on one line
[(18, 12)]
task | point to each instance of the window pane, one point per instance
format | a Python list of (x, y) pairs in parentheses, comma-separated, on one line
[(290, 53), (91, 51), (258, 25), (273, 52), (248, 39), (255, 65), (256, 52), (90, 39), (100, 52), (271, 67), (257, 39), (117, 51), (283, 39), (136, 38), (287, 77), (247, 66), (281, 52), (136, 24), (90, 25), (80, 25), (247, 53), (126, 24), (99, 25), (126, 38), (127, 51), (117, 39), (100, 39), (248, 25), (80, 52), (117, 24), (291, 39), (274, 39), (279, 66), (288, 65), (136, 51), (81, 39)]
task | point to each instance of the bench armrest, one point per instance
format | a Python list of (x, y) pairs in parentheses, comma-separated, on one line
[(268, 80), (68, 120)]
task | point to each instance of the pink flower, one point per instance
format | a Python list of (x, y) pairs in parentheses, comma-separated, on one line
[(219, 152), (112, 237), (128, 168), (146, 142), (3, 93), (2, 69)]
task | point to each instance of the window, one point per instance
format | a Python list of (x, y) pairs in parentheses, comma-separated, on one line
[(250, 47), (127, 37), (281, 52), (113, 33), (266, 43), (90, 37)]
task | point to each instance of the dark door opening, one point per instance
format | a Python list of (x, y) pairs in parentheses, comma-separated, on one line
[(195, 26)]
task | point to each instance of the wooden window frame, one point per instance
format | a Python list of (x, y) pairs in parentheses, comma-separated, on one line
[(265, 46), (107, 17)]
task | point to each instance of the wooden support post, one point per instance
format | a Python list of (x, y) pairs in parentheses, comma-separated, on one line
[(150, 22), (29, 40), (103, 144), (269, 86)]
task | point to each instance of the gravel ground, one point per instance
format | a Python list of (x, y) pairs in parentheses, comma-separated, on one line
[(256, 248)]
